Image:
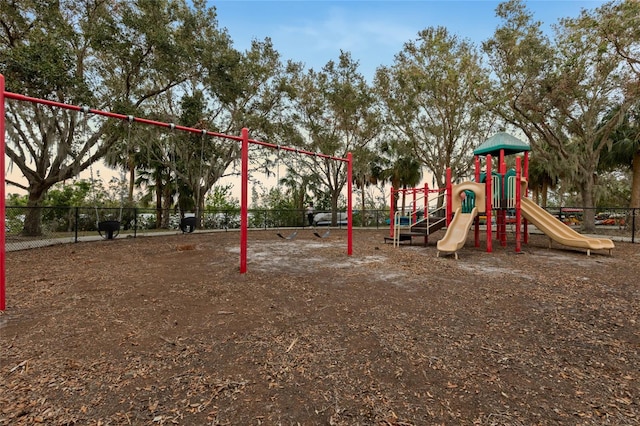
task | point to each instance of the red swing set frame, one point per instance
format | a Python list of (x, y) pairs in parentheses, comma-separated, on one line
[(244, 139)]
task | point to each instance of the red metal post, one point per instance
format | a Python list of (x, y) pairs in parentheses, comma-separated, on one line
[(518, 195), (449, 196), (349, 204), (425, 206), (244, 199), (3, 276), (525, 173), (244, 139), (489, 195), (414, 212), (425, 210), (503, 199), (476, 226)]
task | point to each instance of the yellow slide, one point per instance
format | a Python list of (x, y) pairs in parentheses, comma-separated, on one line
[(558, 231), (457, 232)]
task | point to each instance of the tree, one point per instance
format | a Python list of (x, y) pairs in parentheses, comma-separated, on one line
[(112, 55), (366, 172), (541, 179), (236, 90), (557, 94), (336, 114), (405, 172), (619, 24), (428, 101), (625, 152), (153, 157)]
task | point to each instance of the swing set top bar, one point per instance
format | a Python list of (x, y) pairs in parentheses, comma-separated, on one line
[(244, 139), (84, 109)]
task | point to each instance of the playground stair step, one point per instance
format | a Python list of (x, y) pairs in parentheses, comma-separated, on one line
[(434, 225), (419, 230)]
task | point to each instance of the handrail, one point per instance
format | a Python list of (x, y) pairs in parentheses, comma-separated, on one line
[(496, 184), (396, 229), (443, 207), (414, 209), (412, 212), (511, 192)]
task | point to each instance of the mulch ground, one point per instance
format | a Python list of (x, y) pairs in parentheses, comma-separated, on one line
[(165, 330)]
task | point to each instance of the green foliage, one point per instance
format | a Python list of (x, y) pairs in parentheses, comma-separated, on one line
[(337, 113), (168, 60), (16, 200), (613, 189), (428, 98), (76, 194), (118, 56), (219, 198), (274, 208), (558, 93)]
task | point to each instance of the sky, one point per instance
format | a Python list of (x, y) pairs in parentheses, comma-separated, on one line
[(314, 32), (373, 31)]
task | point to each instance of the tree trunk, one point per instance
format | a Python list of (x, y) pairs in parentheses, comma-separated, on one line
[(545, 194), (363, 204), (335, 195), (166, 207), (33, 217), (159, 191), (404, 198), (588, 217)]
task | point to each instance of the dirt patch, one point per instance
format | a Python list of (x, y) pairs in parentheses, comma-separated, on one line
[(164, 330)]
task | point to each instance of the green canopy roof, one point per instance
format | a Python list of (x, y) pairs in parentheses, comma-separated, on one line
[(502, 141)]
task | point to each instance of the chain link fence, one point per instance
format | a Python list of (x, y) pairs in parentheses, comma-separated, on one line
[(37, 227), (615, 222), (56, 225)]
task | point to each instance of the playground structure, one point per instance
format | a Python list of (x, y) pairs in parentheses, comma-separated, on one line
[(465, 211), (111, 229), (421, 222), (503, 193)]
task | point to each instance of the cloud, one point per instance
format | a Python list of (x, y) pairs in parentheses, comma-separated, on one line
[(372, 37), (346, 29)]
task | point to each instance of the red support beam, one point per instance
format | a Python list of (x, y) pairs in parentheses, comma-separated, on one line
[(489, 208), (244, 139), (449, 196), (503, 199), (3, 276), (425, 200), (476, 222), (350, 204), (518, 212), (525, 175), (414, 209), (244, 200)]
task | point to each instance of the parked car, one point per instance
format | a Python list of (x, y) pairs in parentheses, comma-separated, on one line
[(324, 219)]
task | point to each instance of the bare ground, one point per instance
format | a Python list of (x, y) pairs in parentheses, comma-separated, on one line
[(165, 330)]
